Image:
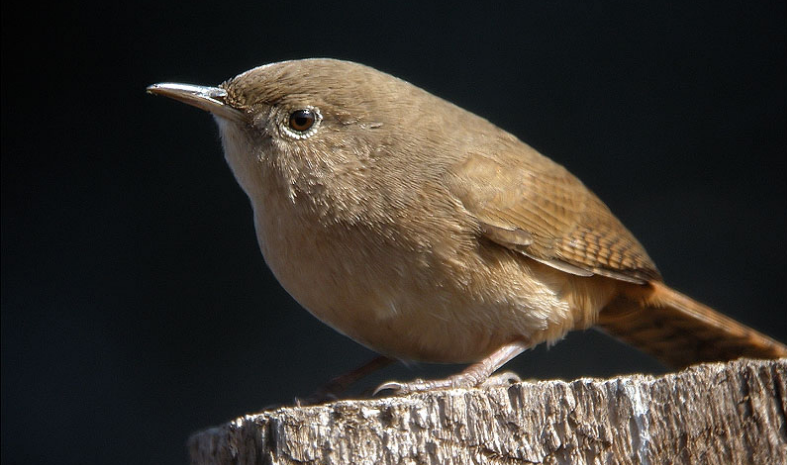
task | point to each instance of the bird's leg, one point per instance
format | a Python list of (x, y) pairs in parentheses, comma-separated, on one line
[(472, 376), (333, 388)]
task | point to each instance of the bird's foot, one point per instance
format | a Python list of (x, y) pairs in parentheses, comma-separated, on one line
[(475, 375), (463, 380), (335, 388)]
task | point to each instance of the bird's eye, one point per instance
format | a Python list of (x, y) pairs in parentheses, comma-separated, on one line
[(302, 120), (301, 124)]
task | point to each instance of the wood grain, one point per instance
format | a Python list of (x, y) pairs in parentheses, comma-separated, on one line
[(713, 413)]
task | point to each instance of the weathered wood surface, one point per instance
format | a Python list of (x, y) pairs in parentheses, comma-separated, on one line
[(713, 413)]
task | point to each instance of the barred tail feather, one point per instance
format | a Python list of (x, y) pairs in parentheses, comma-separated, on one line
[(680, 331)]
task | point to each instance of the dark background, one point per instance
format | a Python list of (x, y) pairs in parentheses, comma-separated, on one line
[(136, 307)]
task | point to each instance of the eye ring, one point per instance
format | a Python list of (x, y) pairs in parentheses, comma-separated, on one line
[(302, 123)]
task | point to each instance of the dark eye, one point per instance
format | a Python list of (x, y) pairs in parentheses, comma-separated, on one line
[(302, 120)]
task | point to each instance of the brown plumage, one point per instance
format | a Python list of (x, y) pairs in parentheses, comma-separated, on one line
[(680, 331), (425, 232)]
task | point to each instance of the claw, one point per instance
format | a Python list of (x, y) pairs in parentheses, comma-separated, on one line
[(504, 379), (420, 385), (397, 388)]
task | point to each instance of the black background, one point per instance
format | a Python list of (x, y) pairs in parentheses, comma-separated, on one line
[(136, 307)]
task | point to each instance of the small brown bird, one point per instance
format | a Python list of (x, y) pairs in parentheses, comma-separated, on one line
[(424, 232)]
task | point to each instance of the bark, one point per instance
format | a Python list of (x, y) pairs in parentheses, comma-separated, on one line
[(727, 413)]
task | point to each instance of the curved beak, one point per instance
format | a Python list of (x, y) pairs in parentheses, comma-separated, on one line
[(206, 98)]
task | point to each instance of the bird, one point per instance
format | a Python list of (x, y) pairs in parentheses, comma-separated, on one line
[(426, 233)]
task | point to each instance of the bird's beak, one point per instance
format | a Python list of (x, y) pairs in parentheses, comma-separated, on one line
[(210, 99)]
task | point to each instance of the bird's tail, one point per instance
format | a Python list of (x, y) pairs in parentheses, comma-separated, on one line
[(680, 331)]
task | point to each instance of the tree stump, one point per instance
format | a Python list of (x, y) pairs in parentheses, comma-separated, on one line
[(726, 413)]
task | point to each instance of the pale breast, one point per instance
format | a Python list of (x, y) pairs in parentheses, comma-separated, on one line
[(429, 304)]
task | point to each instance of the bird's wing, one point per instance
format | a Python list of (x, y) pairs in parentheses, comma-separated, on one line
[(528, 203)]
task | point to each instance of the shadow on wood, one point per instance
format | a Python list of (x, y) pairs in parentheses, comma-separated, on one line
[(734, 412)]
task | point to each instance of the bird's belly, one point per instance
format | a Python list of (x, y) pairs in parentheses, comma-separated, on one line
[(380, 308), (411, 305), (396, 318)]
